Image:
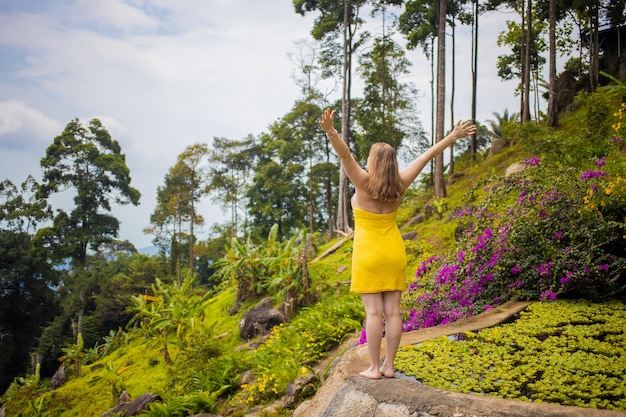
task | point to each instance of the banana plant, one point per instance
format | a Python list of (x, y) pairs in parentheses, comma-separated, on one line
[(74, 354), (170, 314)]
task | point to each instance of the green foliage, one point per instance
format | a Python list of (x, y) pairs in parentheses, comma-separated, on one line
[(27, 301), (564, 352), (293, 347), (385, 112), (260, 269), (191, 404), (73, 355), (171, 314), (88, 160), (113, 376)]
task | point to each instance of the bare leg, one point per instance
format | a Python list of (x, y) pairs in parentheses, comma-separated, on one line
[(373, 304), (393, 330)]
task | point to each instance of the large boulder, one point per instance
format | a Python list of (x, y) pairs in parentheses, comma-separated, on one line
[(128, 407), (260, 320), (59, 378)]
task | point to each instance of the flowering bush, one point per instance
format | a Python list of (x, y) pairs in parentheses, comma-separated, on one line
[(545, 233)]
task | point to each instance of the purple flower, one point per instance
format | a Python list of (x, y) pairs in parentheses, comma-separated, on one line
[(516, 269), (363, 338), (532, 162), (548, 295), (544, 269), (489, 307), (567, 278), (592, 174), (600, 162), (604, 267), (482, 240), (558, 235)]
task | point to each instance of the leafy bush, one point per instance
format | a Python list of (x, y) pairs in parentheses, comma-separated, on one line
[(292, 348), (260, 269)]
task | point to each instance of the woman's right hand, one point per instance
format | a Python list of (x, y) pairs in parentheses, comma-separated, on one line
[(327, 119)]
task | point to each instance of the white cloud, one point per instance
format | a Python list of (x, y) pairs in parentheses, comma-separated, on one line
[(112, 13), (162, 75), (19, 122)]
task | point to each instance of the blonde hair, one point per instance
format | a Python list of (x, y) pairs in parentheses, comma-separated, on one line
[(384, 182)]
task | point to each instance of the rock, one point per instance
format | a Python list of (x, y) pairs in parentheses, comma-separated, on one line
[(460, 230), (260, 320), (129, 407), (514, 169), (301, 389), (409, 236), (59, 378), (497, 145), (455, 177)]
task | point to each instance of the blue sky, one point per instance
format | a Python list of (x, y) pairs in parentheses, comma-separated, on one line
[(164, 74)]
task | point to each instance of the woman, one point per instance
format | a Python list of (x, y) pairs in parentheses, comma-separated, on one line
[(379, 257)]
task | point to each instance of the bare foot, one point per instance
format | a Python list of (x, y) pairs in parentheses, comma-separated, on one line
[(387, 371), (371, 373)]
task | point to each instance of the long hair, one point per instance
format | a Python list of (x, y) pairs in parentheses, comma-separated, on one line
[(384, 178)]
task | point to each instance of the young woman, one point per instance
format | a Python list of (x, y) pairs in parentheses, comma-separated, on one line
[(378, 256)]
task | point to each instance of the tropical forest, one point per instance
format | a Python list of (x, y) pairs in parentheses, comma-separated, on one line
[(532, 207)]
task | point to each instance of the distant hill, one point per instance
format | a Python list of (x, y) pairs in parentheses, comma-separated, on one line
[(149, 250)]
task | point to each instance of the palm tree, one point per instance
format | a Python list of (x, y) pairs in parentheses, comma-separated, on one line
[(497, 126)]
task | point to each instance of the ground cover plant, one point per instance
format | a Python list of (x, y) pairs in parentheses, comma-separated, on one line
[(565, 352)]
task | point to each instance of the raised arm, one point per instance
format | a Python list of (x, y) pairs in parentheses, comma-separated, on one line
[(411, 172), (357, 175)]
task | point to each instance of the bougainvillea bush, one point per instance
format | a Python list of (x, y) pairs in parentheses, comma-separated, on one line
[(546, 232)]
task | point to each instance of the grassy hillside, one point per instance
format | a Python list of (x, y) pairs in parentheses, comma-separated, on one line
[(185, 345)]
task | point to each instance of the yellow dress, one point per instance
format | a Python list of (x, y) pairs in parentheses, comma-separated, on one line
[(378, 255)]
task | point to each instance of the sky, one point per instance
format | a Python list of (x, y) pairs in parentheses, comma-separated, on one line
[(162, 75)]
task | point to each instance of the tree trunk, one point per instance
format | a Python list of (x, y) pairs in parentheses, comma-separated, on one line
[(553, 117), (432, 108), (473, 144), (343, 215), (440, 186), (526, 64), (191, 231), (329, 196), (451, 170), (81, 310), (594, 46)]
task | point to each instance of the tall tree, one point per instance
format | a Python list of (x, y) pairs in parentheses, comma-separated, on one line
[(313, 65), (421, 22), (525, 60), (277, 194), (27, 279), (185, 184), (87, 160), (387, 102), (553, 117), (231, 163), (439, 182), (338, 17)]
